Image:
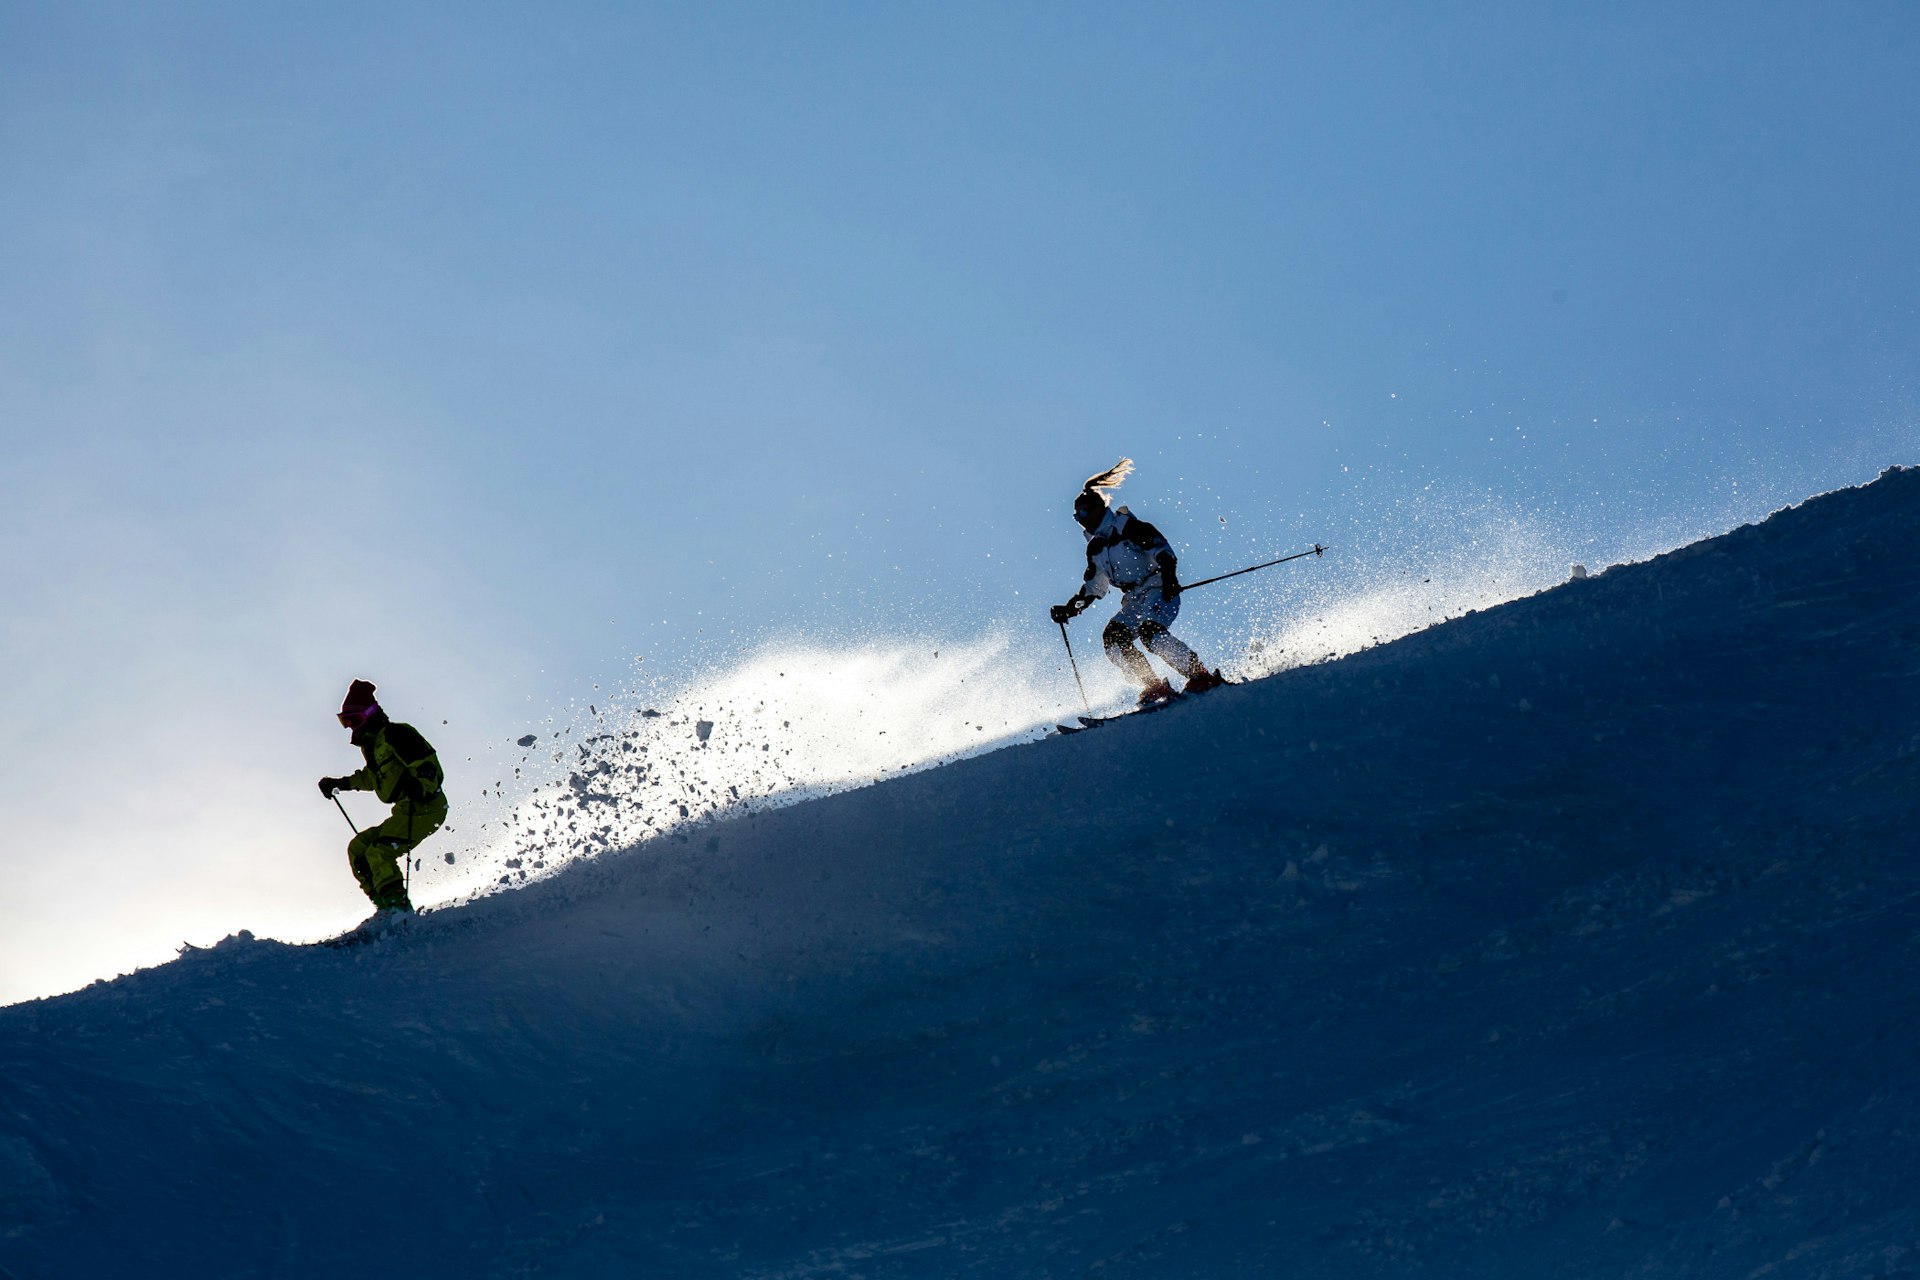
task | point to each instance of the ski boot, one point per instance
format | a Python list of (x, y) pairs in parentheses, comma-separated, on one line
[(393, 902), (1204, 681), (1157, 694)]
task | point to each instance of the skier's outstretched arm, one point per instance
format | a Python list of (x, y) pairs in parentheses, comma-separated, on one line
[(358, 780), (1094, 582), (1093, 585)]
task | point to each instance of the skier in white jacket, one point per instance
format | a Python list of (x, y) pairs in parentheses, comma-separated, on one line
[(1125, 551)]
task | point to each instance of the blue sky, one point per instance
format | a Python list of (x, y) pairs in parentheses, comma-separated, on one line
[(478, 349)]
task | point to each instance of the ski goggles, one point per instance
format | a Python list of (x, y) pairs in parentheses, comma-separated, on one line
[(357, 716)]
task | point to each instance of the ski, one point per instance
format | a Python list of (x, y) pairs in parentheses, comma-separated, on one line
[(369, 931), (1094, 722)]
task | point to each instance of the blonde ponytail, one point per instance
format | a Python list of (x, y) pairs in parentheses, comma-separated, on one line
[(1109, 480)]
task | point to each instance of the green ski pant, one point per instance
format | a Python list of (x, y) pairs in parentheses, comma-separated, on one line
[(375, 853)]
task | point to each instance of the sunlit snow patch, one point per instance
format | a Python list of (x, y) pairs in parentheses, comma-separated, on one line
[(782, 725)]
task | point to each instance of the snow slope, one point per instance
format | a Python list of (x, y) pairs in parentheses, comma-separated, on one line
[(1576, 937)]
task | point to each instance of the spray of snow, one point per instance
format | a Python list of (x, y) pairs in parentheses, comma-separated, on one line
[(781, 725), (1430, 557), (1351, 607)]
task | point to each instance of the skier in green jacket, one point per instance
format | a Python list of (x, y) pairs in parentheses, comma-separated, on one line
[(404, 772)]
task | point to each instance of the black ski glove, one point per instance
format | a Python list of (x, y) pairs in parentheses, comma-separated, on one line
[(330, 785), (1070, 610)]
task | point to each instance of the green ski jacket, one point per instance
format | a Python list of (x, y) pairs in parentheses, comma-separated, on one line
[(401, 765)]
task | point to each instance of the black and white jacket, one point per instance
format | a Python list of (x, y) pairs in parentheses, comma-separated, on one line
[(1126, 552)]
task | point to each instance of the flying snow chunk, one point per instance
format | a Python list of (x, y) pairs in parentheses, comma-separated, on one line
[(704, 729), (529, 740)]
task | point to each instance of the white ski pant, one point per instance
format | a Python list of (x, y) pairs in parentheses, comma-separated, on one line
[(1145, 615)]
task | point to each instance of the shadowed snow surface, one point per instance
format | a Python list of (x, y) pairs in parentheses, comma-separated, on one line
[(1577, 937)]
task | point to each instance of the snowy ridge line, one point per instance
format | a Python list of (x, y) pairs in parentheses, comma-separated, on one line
[(1567, 938)]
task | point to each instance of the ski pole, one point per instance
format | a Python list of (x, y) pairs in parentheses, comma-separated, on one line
[(1221, 577), (343, 813), (1076, 668)]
